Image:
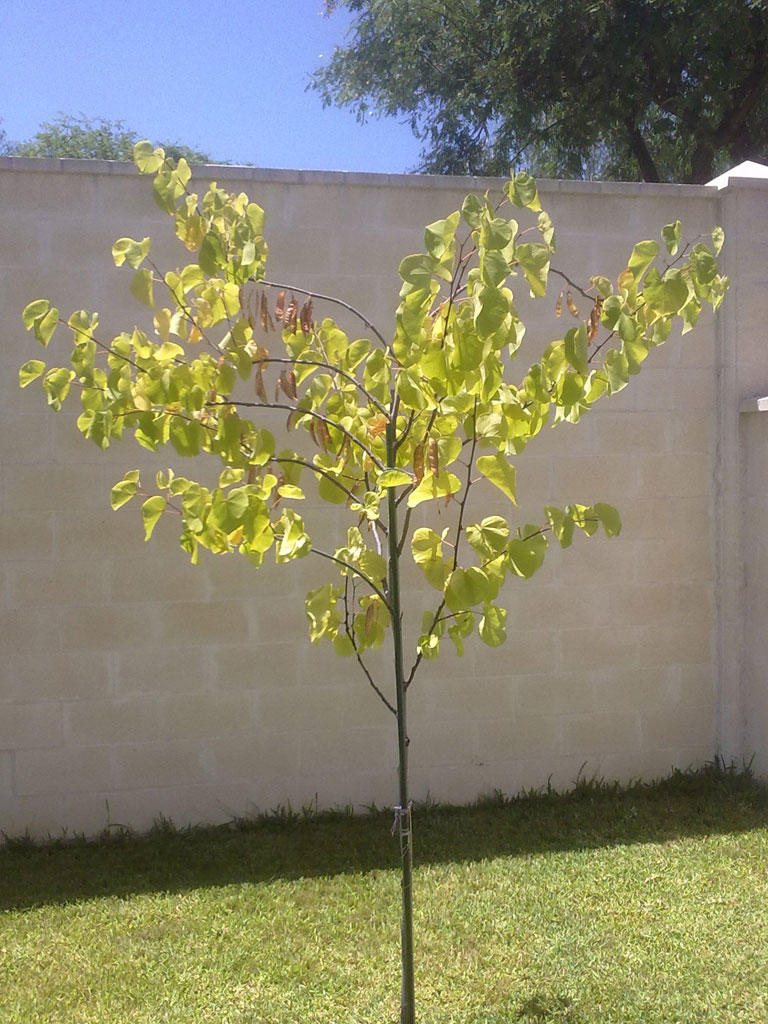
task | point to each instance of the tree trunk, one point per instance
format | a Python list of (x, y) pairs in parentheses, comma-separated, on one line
[(641, 152), (402, 824)]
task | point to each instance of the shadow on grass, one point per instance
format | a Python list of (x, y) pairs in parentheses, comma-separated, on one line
[(712, 800)]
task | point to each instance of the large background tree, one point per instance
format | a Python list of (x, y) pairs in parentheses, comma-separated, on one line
[(91, 139), (658, 90)]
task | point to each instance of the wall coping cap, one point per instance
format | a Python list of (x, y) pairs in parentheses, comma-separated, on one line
[(229, 172), (757, 404)]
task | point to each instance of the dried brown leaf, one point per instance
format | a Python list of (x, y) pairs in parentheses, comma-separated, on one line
[(377, 425), (573, 309), (305, 317), (370, 619), (559, 305), (432, 456), (258, 383), (418, 463), (291, 314)]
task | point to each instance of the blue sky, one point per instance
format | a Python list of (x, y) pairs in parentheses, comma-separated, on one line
[(224, 76)]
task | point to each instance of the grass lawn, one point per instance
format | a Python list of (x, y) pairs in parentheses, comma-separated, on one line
[(642, 906)]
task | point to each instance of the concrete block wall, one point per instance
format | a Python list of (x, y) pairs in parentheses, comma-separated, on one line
[(134, 685)]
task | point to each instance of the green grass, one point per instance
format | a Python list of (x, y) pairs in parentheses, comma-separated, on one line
[(642, 906)]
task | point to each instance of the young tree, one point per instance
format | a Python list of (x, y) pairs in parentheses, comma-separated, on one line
[(389, 425), (663, 90)]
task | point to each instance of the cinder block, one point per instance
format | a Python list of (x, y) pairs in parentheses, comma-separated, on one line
[(459, 784), (595, 478), (25, 726), (47, 673), (604, 733), (697, 685), (68, 581), (25, 538), (685, 558), (597, 648), (193, 715), (169, 577), (685, 476), (96, 722), (676, 644), (525, 652), (255, 666), (322, 751), (629, 688), (557, 694), (27, 487), (629, 433), (301, 708), (639, 604), (471, 699), (62, 770), (156, 669), (92, 627), (199, 623), (685, 727), (519, 737), (257, 755), (441, 743), (158, 764)]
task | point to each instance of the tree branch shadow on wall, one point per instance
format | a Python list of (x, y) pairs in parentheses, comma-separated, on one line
[(284, 845)]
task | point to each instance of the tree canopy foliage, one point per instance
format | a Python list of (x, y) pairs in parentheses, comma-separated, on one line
[(659, 90), (93, 139)]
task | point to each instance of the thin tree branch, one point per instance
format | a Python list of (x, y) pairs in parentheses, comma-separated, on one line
[(304, 412), (351, 634), (328, 298), (356, 571), (335, 369)]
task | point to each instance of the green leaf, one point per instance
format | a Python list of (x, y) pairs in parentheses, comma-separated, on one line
[(127, 250), (212, 257), (576, 345), (522, 191), (489, 537), (431, 486), (526, 553), (427, 551), (534, 259), (438, 237), (35, 312), (547, 229), (468, 587), (125, 489), (718, 237), (44, 325), (671, 235), (643, 254), (493, 625), (472, 210), (500, 473), (147, 158), (141, 287), (151, 511), (609, 517), (30, 371), (394, 478)]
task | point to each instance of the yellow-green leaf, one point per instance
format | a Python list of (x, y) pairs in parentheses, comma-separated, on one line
[(500, 473), (125, 489), (151, 511), (141, 287), (30, 371)]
